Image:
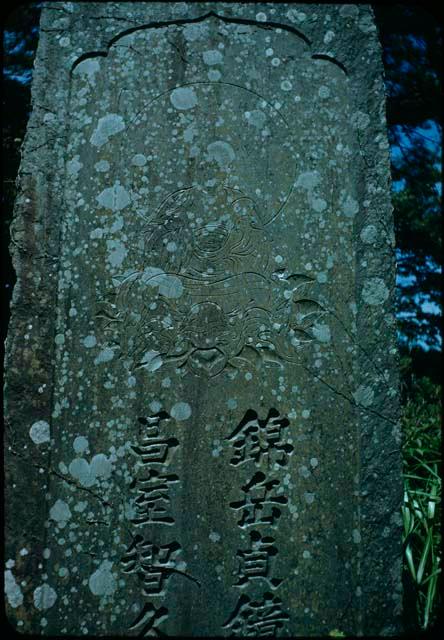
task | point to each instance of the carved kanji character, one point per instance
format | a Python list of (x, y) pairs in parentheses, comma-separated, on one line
[(149, 619), (255, 561), (153, 564), (257, 619), (258, 504), (151, 446), (261, 440), (152, 500)]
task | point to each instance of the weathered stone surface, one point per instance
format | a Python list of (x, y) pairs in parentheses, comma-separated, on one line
[(202, 394)]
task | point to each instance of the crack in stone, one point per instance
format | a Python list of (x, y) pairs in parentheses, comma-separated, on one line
[(104, 502)]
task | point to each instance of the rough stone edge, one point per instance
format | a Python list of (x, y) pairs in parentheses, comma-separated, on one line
[(29, 343), (29, 366)]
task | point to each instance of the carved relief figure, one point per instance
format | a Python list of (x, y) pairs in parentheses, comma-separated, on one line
[(207, 292)]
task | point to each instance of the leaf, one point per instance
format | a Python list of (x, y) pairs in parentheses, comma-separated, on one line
[(298, 279), (300, 335), (125, 277), (307, 311), (411, 564), (424, 556)]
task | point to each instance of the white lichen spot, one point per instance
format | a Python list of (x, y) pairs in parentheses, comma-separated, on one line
[(59, 339), (256, 118), (286, 85), (374, 291), (44, 597), (40, 432), (309, 497), (73, 166), (155, 406), (349, 11), (102, 581), (12, 590), (89, 342), (181, 411), (212, 57), (221, 152), (232, 403), (318, 204), (151, 361), (102, 166), (81, 471), (193, 32), (183, 98), (138, 160), (360, 120), (214, 75), (369, 234), (324, 92), (314, 462), (308, 180), (296, 16), (170, 286), (117, 252), (107, 127), (101, 466), (306, 554), (350, 207), (322, 332), (214, 536), (114, 198), (329, 37), (105, 355), (356, 536), (80, 444), (88, 67), (364, 396), (261, 16)]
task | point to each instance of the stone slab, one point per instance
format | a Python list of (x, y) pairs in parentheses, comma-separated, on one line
[(202, 394)]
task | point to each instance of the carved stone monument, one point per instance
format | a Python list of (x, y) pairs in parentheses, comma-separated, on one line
[(202, 394)]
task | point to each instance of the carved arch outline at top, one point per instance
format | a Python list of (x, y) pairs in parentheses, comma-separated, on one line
[(211, 14)]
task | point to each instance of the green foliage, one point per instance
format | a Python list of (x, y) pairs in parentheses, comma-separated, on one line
[(421, 510), (20, 37), (411, 37)]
